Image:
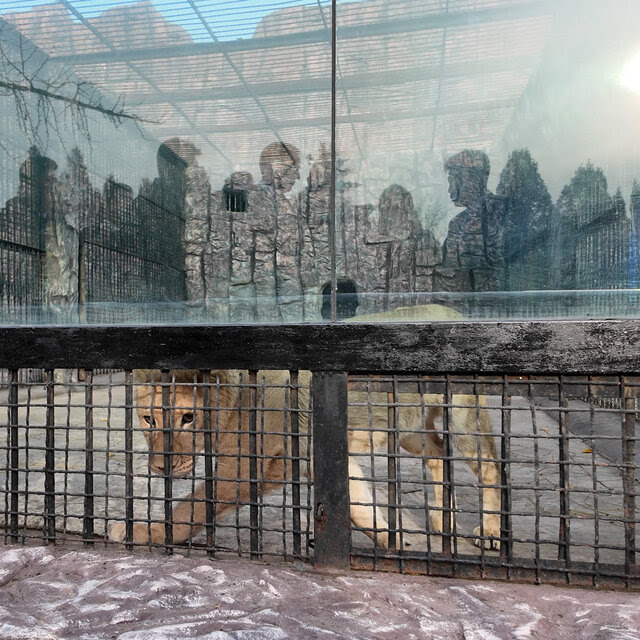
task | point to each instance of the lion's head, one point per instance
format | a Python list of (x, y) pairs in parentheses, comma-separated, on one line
[(183, 430)]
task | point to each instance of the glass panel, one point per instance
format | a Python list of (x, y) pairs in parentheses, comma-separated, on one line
[(171, 161), (155, 159), (488, 159)]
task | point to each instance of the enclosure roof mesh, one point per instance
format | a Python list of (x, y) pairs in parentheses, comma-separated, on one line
[(230, 75)]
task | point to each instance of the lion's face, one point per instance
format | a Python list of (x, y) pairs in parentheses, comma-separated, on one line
[(185, 424)]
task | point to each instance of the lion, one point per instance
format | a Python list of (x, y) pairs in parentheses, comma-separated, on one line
[(367, 424)]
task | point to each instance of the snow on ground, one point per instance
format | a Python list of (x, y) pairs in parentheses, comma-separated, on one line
[(48, 593)]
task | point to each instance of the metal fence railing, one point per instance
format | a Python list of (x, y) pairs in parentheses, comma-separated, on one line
[(22, 240), (489, 450)]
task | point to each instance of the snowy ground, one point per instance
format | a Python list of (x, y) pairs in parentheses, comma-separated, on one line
[(51, 594)]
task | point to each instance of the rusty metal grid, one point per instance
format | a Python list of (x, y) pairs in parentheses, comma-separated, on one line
[(560, 506), (78, 470), (77, 467), (555, 476)]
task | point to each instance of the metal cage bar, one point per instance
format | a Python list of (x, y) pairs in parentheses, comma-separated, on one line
[(564, 523), (392, 476), (168, 386), (208, 463), (13, 457), (88, 519), (448, 499), (128, 453), (253, 464), (629, 476), (295, 464), (49, 474), (566, 514), (506, 540)]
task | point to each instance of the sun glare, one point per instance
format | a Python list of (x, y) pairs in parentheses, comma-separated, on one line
[(630, 74)]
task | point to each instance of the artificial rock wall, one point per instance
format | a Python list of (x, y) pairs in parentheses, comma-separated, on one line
[(255, 251)]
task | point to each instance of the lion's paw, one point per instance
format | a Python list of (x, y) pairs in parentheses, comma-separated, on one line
[(414, 541), (488, 538), (436, 521), (117, 532)]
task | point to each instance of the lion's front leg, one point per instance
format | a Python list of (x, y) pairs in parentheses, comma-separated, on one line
[(142, 534), (188, 517)]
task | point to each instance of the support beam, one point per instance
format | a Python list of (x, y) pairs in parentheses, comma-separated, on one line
[(378, 79), (425, 22)]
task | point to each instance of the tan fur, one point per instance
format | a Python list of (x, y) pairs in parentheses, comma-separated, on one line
[(471, 430)]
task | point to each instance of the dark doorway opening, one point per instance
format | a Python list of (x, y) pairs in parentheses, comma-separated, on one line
[(346, 300)]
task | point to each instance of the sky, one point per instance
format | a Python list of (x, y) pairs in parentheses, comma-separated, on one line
[(229, 19)]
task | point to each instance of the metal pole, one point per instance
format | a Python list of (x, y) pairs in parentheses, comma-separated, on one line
[(332, 192)]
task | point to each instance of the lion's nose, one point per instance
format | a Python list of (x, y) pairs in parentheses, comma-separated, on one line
[(178, 466), (156, 464)]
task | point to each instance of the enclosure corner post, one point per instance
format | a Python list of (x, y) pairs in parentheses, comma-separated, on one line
[(332, 525)]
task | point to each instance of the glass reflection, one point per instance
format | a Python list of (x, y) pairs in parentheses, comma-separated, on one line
[(178, 155)]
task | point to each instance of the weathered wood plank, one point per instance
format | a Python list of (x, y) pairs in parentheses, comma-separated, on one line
[(568, 347)]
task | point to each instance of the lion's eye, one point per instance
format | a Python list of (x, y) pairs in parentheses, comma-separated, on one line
[(187, 418), (149, 420)]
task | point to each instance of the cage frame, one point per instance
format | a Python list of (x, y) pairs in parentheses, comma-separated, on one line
[(513, 351)]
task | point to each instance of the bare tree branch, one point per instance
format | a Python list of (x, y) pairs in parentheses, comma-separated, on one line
[(110, 113), (49, 98)]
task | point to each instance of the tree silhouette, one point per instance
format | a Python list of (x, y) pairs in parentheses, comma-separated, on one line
[(49, 98), (527, 221)]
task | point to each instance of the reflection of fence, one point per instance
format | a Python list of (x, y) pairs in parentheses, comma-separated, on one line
[(131, 247), (130, 256), (22, 241), (556, 499), (62, 241)]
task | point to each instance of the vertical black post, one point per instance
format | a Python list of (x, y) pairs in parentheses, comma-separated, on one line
[(398, 472), (564, 532), (536, 481), (128, 458), (391, 470), (425, 476), (87, 521), (253, 465), (594, 480), (295, 464), (332, 531), (447, 470), (208, 461), (50, 462), (167, 415), (332, 187), (506, 538), (629, 477), (13, 446)]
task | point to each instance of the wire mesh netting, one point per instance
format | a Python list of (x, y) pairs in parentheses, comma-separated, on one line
[(517, 473), (219, 464)]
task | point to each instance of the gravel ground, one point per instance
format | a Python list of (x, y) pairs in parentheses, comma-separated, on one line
[(47, 593)]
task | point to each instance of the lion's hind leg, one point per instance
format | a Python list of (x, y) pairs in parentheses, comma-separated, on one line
[(365, 514), (429, 445), (473, 438)]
